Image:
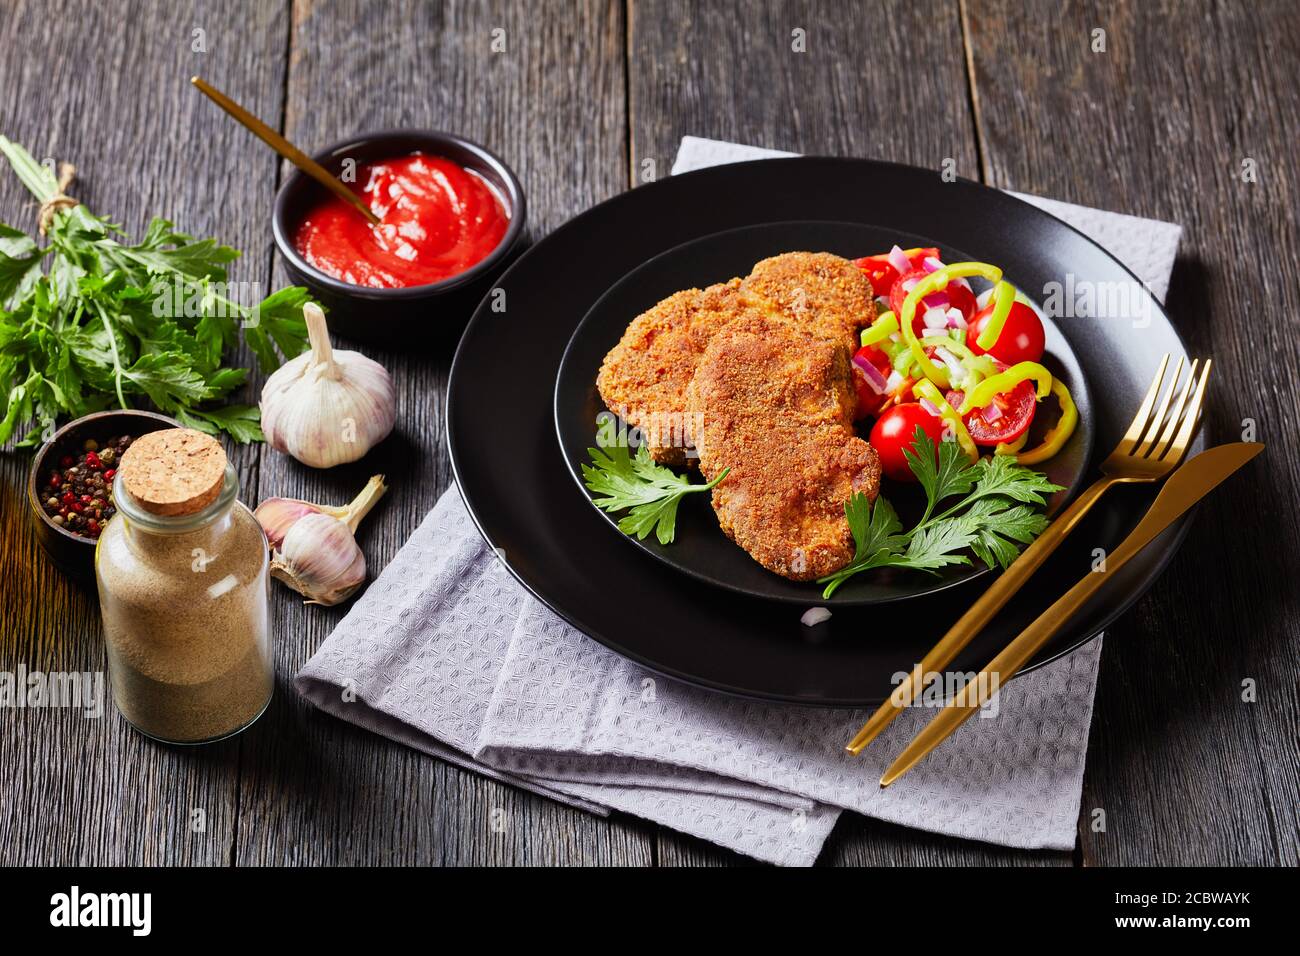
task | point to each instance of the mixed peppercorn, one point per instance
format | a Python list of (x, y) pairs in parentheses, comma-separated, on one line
[(78, 495)]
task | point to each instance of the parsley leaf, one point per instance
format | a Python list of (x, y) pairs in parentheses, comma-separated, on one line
[(994, 518), (113, 323), (650, 492), (1003, 475), (241, 422), (950, 476), (20, 265), (876, 537), (935, 546)]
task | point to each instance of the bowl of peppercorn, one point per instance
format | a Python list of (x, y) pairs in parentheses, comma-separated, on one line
[(70, 488)]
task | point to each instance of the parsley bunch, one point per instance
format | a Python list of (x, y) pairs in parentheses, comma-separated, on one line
[(113, 321), (994, 517), (651, 491)]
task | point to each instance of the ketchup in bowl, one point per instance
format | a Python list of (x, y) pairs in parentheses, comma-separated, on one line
[(437, 219)]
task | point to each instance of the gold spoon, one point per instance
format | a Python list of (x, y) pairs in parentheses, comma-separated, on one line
[(285, 148)]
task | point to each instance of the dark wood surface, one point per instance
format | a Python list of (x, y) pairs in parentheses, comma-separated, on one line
[(1158, 125)]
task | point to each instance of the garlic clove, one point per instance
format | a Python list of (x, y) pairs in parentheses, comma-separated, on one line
[(320, 560), (327, 407), (277, 515)]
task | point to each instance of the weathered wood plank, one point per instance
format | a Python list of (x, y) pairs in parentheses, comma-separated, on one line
[(108, 92), (858, 841), (730, 71), (552, 105), (1185, 99)]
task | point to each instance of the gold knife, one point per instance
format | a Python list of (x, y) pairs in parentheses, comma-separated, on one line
[(1186, 486)]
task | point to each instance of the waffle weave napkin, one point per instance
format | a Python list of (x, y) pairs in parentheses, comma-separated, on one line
[(445, 652)]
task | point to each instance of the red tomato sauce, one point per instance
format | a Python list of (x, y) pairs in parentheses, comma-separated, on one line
[(437, 219)]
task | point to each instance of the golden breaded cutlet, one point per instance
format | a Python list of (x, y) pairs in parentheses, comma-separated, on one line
[(644, 378), (777, 405), (814, 290)]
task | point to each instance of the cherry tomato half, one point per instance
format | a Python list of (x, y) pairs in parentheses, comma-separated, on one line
[(869, 403), (898, 294), (963, 298), (895, 431), (1017, 407), (882, 273), (1021, 339)]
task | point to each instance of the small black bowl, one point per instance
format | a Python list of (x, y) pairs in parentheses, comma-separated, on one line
[(426, 314), (72, 553)]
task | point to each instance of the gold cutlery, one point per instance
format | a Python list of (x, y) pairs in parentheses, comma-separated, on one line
[(285, 148), (1188, 485), (1147, 452)]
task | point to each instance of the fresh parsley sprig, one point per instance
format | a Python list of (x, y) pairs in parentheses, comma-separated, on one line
[(88, 332), (994, 517), (651, 492)]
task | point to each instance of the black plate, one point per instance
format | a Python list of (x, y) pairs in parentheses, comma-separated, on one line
[(701, 549), (509, 469)]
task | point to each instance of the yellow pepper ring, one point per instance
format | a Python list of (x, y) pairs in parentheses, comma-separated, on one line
[(1004, 296), (1013, 446), (938, 279), (884, 326), (1004, 382), (1055, 439)]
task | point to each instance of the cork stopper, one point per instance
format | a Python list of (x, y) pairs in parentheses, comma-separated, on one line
[(177, 471)]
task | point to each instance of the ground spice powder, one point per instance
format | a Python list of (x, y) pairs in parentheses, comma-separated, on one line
[(183, 584)]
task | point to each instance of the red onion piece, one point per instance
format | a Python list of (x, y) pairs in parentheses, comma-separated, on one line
[(991, 413), (931, 264), (899, 261), (955, 319), (930, 407), (872, 374)]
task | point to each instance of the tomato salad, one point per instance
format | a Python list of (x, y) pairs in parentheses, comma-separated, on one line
[(955, 364)]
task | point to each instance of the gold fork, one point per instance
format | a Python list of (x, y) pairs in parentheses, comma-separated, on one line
[(1147, 452)]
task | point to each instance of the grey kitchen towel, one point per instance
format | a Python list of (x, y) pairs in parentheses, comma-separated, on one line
[(447, 653)]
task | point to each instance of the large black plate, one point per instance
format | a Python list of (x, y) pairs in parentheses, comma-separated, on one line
[(508, 466), (700, 548)]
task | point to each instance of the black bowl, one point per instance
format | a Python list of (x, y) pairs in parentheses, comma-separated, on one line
[(425, 314), (73, 553)]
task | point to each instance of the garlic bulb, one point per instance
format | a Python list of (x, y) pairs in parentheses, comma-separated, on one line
[(324, 407), (314, 550)]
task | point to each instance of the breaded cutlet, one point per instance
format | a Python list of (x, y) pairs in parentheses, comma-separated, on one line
[(814, 290), (777, 406), (644, 378)]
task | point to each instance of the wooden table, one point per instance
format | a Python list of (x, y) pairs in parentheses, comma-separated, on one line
[(583, 101)]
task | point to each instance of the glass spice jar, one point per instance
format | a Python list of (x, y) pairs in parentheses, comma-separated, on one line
[(182, 571)]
